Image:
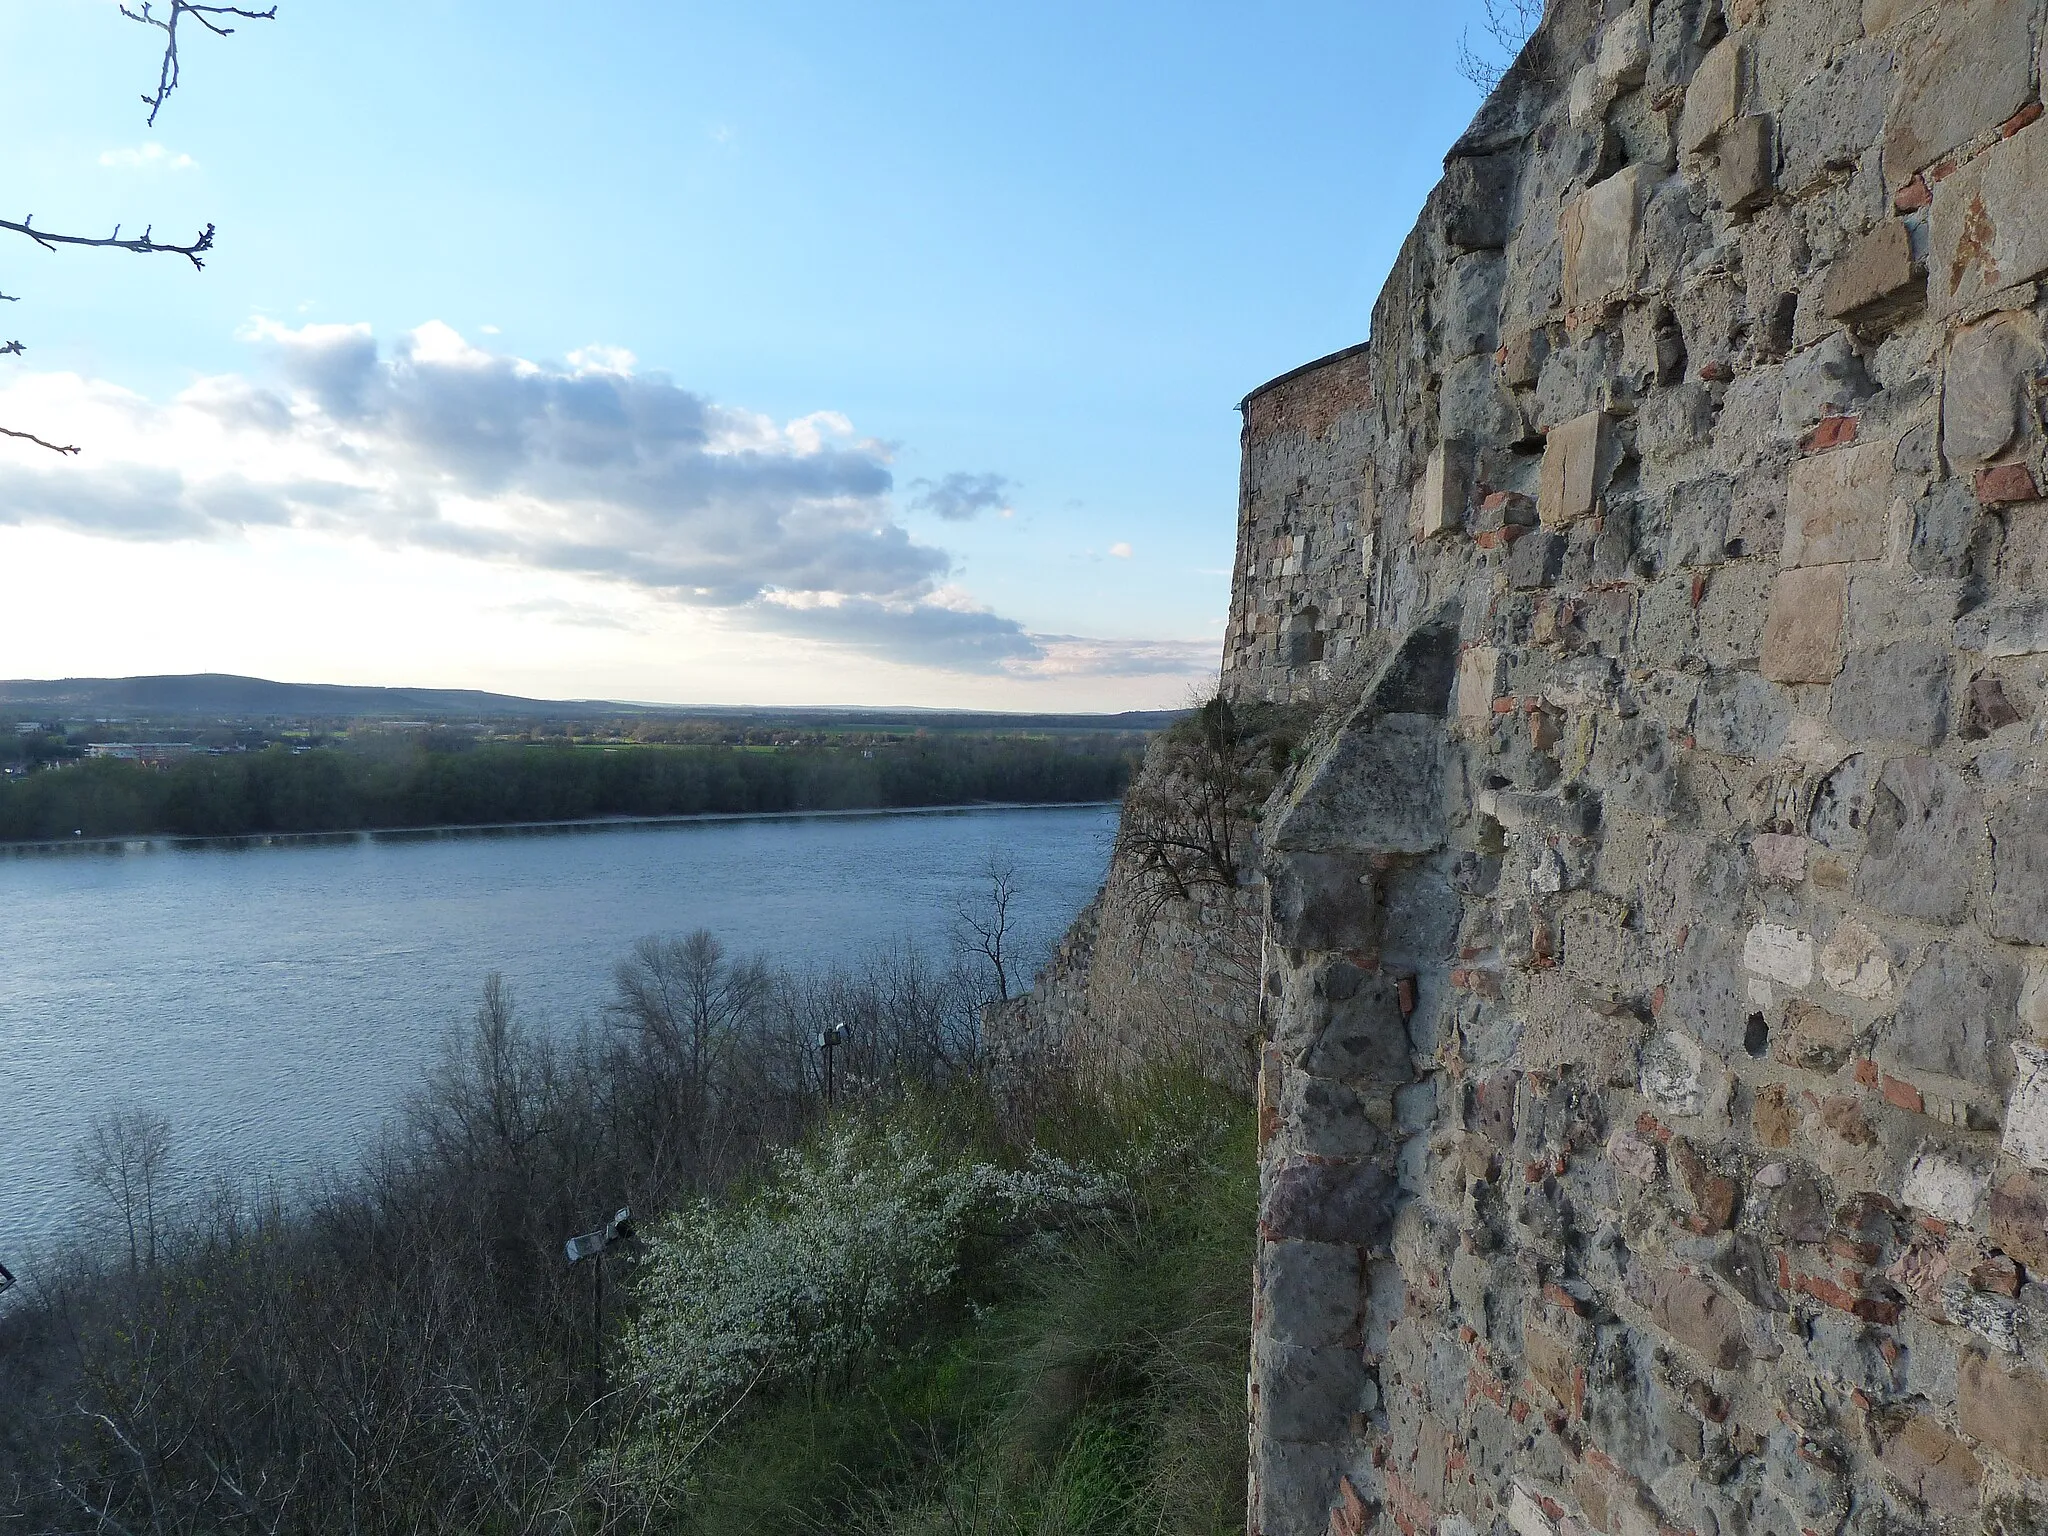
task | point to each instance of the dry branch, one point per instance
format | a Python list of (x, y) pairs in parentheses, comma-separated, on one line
[(167, 72), (143, 245)]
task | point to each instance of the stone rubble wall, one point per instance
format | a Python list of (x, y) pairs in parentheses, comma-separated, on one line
[(1655, 1092)]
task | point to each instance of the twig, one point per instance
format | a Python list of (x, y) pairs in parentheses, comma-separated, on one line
[(146, 245), (167, 72), (30, 437)]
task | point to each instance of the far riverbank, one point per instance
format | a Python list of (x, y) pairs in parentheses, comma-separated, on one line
[(170, 843)]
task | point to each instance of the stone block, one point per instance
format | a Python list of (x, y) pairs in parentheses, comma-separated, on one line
[(2019, 1219), (1522, 356), (1784, 955), (1674, 1072), (1980, 388), (1780, 857), (1599, 229), (1933, 1466), (1989, 226), (1955, 1009), (1536, 560), (1746, 163), (1327, 1201), (1831, 119), (2010, 626), (2019, 868), (1469, 304), (1875, 279), (1325, 902), (1714, 1196), (1837, 504), (2006, 1411), (1803, 628), (1377, 789), (1970, 72), (1361, 1037), (1438, 507), (1945, 530), (1739, 714), (1856, 962), (1573, 458), (1713, 98), (1897, 692), (1699, 523), (1478, 683), (1304, 1391), (1825, 380), (1624, 52), (2005, 485), (1699, 1317), (1944, 1188), (2026, 1112), (1923, 833), (1478, 197), (1312, 1292), (1812, 1038)]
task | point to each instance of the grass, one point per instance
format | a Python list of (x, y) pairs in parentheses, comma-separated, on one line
[(1088, 1382)]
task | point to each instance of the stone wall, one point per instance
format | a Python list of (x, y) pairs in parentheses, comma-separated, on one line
[(1655, 1098)]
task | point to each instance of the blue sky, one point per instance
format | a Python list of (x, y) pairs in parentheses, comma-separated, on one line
[(798, 352)]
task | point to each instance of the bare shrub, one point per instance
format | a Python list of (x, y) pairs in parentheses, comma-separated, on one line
[(1508, 25)]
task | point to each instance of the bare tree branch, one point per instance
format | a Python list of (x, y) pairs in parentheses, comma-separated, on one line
[(1508, 23), (30, 437), (167, 72), (144, 245)]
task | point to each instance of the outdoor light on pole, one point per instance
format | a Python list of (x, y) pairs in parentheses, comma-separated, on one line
[(828, 1040), (591, 1245)]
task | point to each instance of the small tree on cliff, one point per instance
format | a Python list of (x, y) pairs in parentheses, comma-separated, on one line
[(213, 19)]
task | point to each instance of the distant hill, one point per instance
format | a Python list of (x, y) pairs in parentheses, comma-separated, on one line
[(217, 694)]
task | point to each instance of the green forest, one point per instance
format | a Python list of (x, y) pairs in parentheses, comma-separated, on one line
[(441, 781)]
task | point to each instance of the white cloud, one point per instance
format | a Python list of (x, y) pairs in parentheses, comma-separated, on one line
[(146, 157), (1121, 550), (586, 469)]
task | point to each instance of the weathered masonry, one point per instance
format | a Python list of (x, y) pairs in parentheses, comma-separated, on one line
[(1656, 972)]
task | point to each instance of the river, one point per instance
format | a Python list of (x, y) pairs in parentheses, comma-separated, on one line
[(276, 1002)]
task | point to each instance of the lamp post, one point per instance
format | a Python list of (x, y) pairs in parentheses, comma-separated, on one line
[(828, 1041), (591, 1245)]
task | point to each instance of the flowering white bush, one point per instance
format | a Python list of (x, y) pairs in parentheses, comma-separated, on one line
[(841, 1248)]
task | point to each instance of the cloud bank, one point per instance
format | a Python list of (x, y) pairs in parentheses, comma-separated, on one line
[(585, 467)]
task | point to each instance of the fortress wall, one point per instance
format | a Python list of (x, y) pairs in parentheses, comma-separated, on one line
[(1655, 1090)]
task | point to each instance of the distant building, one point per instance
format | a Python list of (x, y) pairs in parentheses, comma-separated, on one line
[(152, 752)]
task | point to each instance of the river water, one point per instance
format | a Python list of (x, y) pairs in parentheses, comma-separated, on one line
[(277, 1002)]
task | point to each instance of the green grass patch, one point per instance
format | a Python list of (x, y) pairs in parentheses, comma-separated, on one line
[(1087, 1378)]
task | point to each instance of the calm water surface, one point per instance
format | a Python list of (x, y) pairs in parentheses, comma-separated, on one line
[(276, 1003)]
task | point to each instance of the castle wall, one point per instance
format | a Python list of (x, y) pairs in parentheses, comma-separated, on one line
[(1655, 1091)]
